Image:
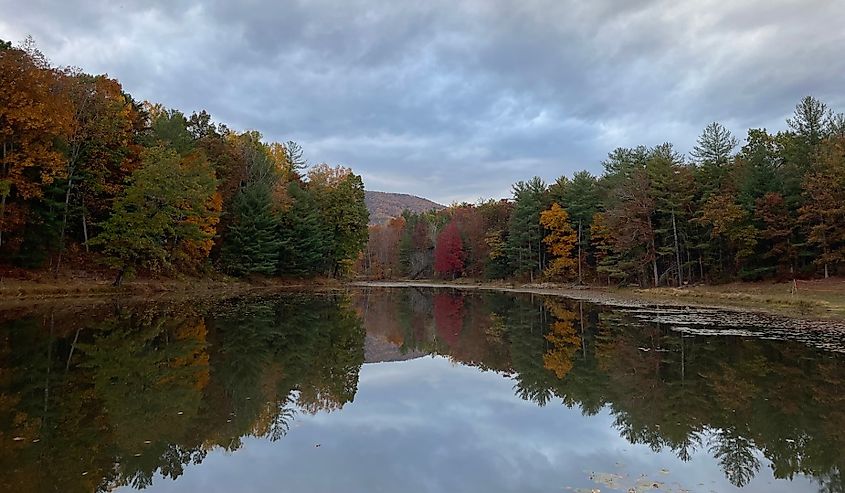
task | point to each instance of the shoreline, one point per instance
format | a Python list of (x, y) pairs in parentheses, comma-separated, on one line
[(22, 293), (706, 297), (760, 298)]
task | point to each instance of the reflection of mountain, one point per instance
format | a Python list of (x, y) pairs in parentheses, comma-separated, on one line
[(378, 350)]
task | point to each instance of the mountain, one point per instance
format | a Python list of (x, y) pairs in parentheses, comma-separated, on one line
[(384, 205)]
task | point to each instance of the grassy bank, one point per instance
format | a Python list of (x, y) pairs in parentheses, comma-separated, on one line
[(823, 298)]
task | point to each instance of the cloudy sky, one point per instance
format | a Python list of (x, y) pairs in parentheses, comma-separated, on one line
[(455, 100)]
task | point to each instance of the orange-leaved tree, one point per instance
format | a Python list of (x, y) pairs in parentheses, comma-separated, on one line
[(34, 117)]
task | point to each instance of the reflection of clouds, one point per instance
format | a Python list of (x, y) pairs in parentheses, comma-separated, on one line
[(430, 425)]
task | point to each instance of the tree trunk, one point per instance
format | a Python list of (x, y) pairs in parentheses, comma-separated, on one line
[(653, 254), (119, 279), (580, 279), (85, 226), (3, 198), (677, 251), (64, 223), (2, 214)]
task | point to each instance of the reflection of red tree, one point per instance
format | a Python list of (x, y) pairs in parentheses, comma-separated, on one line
[(448, 317)]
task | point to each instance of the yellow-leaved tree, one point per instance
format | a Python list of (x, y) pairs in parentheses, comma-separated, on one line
[(560, 240)]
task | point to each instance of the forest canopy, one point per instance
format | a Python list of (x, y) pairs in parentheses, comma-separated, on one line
[(88, 171)]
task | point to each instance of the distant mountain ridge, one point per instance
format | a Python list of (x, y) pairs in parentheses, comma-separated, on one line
[(384, 206)]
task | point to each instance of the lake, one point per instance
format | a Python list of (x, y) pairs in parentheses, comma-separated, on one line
[(414, 390)]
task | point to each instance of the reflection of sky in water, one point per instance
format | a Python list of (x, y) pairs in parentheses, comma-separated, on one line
[(429, 425)]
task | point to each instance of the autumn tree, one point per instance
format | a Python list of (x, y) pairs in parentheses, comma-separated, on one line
[(824, 209), (34, 115), (601, 243), (166, 204), (580, 198), (777, 234), (449, 252), (730, 226), (381, 258), (99, 152), (631, 219), (560, 240)]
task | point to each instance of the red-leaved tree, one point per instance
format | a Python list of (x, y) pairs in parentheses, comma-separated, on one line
[(449, 252)]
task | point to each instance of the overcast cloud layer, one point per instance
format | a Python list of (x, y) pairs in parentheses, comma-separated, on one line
[(455, 100)]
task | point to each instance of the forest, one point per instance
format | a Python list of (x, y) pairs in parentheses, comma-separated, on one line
[(773, 208), (90, 176)]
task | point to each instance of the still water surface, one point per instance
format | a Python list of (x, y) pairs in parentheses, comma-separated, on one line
[(410, 390)]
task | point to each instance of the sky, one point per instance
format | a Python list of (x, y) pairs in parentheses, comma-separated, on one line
[(456, 100)]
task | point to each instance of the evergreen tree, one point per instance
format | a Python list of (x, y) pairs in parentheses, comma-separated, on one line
[(712, 155), (252, 242), (339, 195), (525, 235), (304, 238)]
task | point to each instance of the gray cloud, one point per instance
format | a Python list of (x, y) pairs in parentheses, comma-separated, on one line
[(456, 100)]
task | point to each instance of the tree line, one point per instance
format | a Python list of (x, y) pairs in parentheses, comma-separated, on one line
[(773, 208), (87, 172)]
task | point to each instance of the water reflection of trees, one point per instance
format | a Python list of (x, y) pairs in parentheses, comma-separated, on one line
[(736, 399), (92, 406)]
